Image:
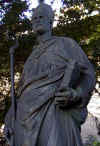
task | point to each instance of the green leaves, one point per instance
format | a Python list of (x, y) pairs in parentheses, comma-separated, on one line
[(96, 143)]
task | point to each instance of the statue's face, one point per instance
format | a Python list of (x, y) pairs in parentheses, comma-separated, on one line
[(41, 22)]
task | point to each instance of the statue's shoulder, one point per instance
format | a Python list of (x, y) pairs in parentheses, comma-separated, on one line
[(67, 45), (65, 41)]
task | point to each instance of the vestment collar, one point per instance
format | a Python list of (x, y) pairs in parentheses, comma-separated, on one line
[(42, 47)]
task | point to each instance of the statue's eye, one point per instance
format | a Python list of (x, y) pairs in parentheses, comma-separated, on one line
[(35, 18), (40, 17)]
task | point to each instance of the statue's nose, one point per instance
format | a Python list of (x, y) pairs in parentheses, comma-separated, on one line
[(38, 20)]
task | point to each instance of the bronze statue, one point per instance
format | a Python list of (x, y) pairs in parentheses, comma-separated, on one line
[(54, 90)]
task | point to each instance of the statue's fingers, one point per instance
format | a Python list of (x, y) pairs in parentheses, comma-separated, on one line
[(60, 99), (57, 101), (62, 94), (63, 102), (58, 94), (62, 105)]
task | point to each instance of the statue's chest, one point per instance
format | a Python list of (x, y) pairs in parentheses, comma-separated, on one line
[(45, 60)]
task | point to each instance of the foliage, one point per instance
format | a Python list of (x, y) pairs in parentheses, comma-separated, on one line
[(96, 143)]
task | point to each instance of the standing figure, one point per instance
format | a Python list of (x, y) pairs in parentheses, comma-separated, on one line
[(54, 89)]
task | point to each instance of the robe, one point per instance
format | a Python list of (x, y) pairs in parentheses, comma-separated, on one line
[(39, 122)]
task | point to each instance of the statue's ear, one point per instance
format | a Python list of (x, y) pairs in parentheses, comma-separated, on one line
[(33, 10), (52, 18)]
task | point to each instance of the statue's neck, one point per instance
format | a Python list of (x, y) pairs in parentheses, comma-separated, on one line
[(44, 37)]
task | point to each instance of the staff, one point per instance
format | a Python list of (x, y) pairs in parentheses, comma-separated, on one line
[(13, 100)]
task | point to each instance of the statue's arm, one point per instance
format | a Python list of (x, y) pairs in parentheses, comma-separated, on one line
[(86, 86), (86, 82)]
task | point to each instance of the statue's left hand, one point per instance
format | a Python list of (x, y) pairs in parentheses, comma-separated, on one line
[(65, 97)]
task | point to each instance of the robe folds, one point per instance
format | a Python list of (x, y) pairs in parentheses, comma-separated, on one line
[(39, 122)]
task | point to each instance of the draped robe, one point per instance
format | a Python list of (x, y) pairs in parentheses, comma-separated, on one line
[(39, 122)]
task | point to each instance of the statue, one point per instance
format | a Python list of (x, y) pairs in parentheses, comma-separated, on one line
[(54, 90)]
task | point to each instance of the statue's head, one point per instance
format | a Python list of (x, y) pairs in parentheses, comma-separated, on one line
[(42, 19)]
